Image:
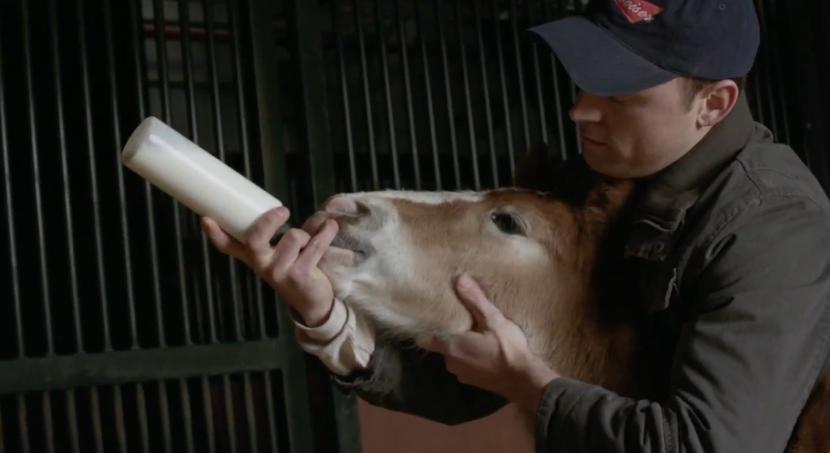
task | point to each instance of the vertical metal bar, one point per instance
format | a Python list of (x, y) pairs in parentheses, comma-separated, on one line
[(534, 52), (9, 215), (72, 421), (367, 95), (165, 417), (184, 32), (557, 94), (96, 420), (187, 415), (119, 171), (229, 411), (136, 16), (236, 56), (471, 127), (48, 429), (390, 114), (448, 93), (67, 199), (269, 397), (220, 139), (260, 15), (309, 51), (120, 429), (779, 85), (164, 83), (208, 411), (430, 103), (514, 21), (768, 77), (41, 236), (119, 408), (141, 403), (2, 427), (23, 425), (413, 133), (344, 90), (93, 179), (486, 86), (576, 129), (249, 413), (508, 126)]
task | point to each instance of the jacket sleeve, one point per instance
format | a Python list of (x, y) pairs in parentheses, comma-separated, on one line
[(392, 374), (745, 362)]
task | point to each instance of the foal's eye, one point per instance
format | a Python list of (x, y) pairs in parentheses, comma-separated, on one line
[(507, 223)]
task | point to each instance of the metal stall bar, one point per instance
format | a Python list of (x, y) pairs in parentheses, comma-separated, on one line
[(413, 135), (534, 53), (163, 81), (33, 136), (220, 138), (471, 127), (387, 90), (7, 192), (23, 426), (367, 96), (6, 181), (514, 22), (448, 93), (430, 102), (494, 165), (508, 123), (554, 68), (137, 47), (187, 66), (344, 91), (218, 123), (2, 428), (70, 235), (257, 313), (128, 269), (9, 215), (27, 55), (266, 77), (774, 37)]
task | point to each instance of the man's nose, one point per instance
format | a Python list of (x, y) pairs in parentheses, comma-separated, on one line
[(585, 109)]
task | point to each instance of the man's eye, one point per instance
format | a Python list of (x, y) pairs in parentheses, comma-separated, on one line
[(507, 223)]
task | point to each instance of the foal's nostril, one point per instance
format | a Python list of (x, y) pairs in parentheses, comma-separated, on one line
[(342, 204)]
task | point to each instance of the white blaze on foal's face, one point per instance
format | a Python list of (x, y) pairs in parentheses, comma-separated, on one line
[(397, 254)]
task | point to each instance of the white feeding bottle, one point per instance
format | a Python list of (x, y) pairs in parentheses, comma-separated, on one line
[(191, 175)]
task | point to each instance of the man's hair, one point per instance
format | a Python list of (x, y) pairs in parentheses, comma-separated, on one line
[(692, 86)]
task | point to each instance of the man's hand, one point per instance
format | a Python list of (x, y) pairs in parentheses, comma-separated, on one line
[(290, 267), (494, 354)]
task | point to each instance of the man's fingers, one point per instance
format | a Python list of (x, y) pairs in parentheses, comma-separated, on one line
[(287, 251), (472, 296), (224, 242), (258, 237), (317, 246)]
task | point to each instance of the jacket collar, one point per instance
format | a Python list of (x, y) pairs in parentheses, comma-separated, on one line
[(667, 196)]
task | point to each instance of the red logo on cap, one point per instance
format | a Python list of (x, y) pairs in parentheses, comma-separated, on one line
[(638, 10)]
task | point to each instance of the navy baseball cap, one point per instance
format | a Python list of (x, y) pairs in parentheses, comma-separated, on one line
[(624, 46)]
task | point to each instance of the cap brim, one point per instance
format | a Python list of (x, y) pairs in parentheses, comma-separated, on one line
[(596, 61)]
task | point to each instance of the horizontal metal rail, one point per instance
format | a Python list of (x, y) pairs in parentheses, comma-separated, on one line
[(117, 367)]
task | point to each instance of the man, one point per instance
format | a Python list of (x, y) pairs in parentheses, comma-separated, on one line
[(727, 238)]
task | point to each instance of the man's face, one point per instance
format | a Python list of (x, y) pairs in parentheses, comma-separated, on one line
[(637, 134)]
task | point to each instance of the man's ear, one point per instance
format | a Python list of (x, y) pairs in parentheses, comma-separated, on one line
[(718, 100)]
